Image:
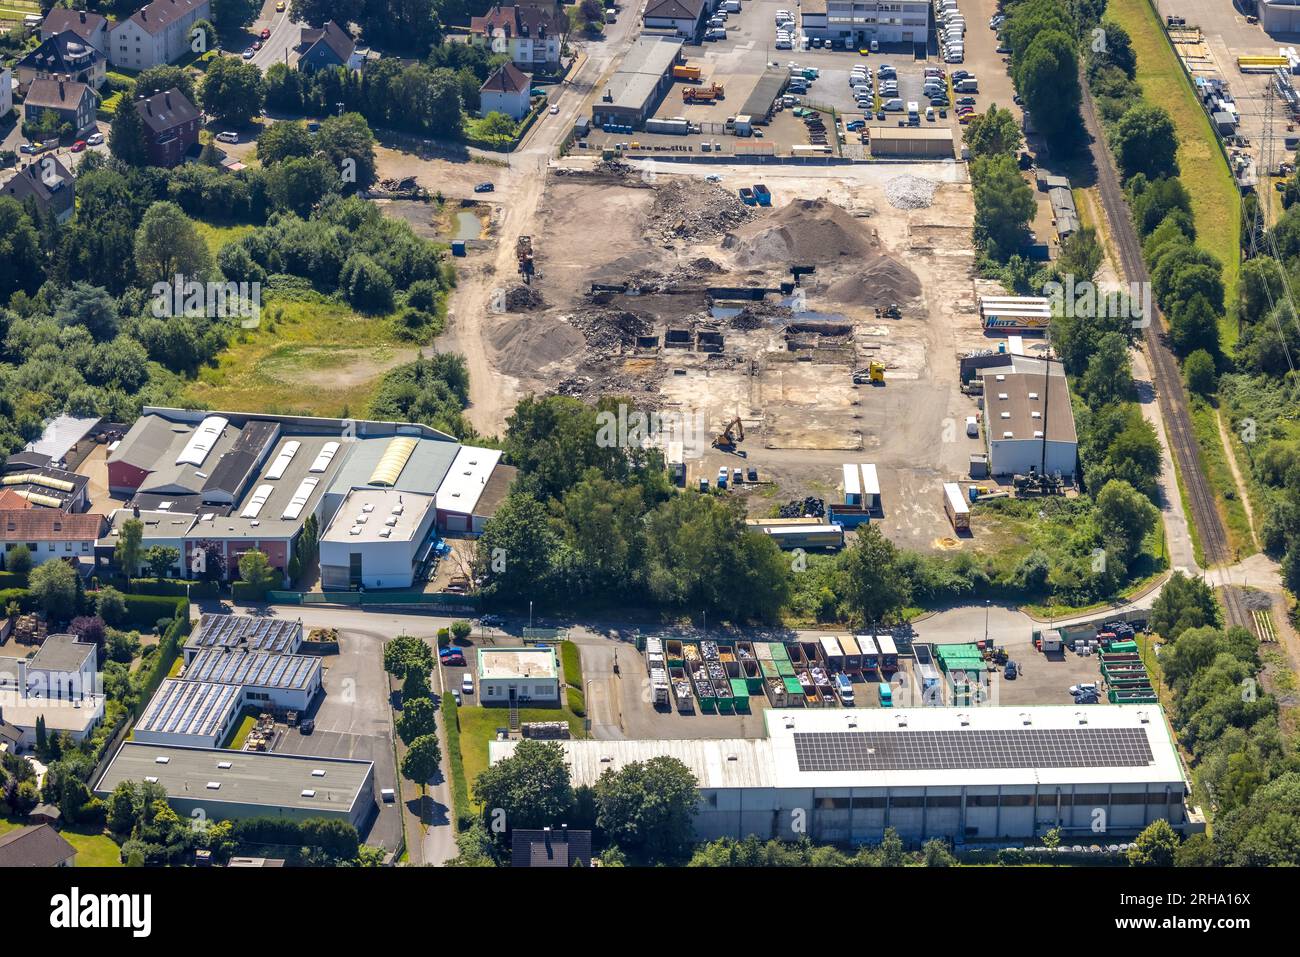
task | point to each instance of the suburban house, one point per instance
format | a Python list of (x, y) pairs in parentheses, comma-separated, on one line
[(530, 35), (328, 47), (64, 668), (48, 184), (172, 122), (71, 101), (685, 18), (64, 54), (550, 847), (38, 846), (6, 92), (505, 91), (49, 533), (90, 27), (156, 34)]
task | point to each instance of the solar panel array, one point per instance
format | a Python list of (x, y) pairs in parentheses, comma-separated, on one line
[(274, 635), (188, 707), (258, 669), (973, 749)]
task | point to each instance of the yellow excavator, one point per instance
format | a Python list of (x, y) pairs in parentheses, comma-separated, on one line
[(729, 436)]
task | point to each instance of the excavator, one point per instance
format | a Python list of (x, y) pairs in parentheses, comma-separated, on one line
[(729, 436)]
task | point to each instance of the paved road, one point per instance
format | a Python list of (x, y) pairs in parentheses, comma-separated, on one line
[(284, 37)]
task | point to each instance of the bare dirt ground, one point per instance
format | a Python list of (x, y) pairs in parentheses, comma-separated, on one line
[(640, 291)]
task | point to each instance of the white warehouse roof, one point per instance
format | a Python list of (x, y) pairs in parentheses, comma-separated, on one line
[(464, 482)]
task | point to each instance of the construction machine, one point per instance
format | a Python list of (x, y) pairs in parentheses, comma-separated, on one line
[(1037, 483), (729, 436), (889, 312), (524, 253), (874, 373), (702, 94)]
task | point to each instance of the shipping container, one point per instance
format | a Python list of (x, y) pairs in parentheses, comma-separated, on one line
[(740, 695), (659, 686), (775, 689), (955, 505), (753, 676), (779, 651), (870, 654), (673, 652), (793, 691)]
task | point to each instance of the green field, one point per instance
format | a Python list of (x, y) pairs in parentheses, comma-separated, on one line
[(1214, 461), (1216, 204), (318, 358), (479, 725), (218, 236)]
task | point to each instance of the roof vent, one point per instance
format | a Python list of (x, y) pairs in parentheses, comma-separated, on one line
[(1033, 395), (1025, 718), (318, 772), (224, 765), (151, 779), (1144, 717), (964, 718), (1082, 716), (902, 720), (1002, 395), (606, 758), (1006, 415), (161, 759), (733, 757), (1008, 435), (214, 785), (308, 793), (789, 723)]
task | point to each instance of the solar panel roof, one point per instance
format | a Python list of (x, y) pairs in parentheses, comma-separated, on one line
[(972, 749)]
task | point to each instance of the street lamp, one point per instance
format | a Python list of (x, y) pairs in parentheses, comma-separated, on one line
[(586, 701), (530, 615)]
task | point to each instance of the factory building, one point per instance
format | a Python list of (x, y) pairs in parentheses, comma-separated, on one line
[(234, 785), (1028, 420), (964, 775), (633, 92), (379, 538), (244, 633), (911, 142)]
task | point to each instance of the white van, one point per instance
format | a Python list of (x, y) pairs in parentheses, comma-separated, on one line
[(732, 6), (467, 684), (893, 105)]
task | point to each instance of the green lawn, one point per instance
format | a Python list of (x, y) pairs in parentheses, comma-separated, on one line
[(218, 236), (93, 850), (317, 358), (478, 726), (239, 733), (1214, 462), (1216, 204)]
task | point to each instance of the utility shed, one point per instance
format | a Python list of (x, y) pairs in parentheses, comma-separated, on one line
[(912, 142), (759, 103)]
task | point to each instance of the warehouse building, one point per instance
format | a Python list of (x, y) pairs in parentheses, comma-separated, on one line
[(378, 538), (637, 86), (507, 675), (245, 633), (474, 486), (1028, 421), (190, 713), (968, 776), (269, 681), (911, 142), (1279, 17), (234, 785)]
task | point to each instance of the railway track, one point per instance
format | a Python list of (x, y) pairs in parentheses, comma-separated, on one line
[(1164, 369)]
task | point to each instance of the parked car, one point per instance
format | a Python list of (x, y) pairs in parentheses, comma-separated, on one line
[(484, 188), (489, 621), (456, 660), (1011, 671), (94, 139), (713, 178), (307, 726), (467, 684), (265, 34), (1086, 687), (248, 54), (279, 6), (78, 146), (227, 137), (965, 101)]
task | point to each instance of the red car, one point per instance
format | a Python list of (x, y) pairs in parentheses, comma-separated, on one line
[(453, 661), (266, 34), (78, 146), (257, 45)]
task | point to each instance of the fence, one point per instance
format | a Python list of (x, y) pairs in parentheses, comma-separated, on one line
[(442, 600)]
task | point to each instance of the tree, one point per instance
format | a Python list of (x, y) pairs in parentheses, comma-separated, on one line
[(1081, 255), (1004, 205), (168, 245), (22, 263), (1155, 846), (366, 285), (298, 184), (498, 124), (405, 653), (1125, 516), (935, 853), (90, 308), (233, 92), (1193, 325), (1109, 377), (284, 140), (531, 787), (648, 807), (126, 553), (422, 760), (1183, 603), (126, 136), (18, 560), (122, 646), (515, 550), (1047, 76), (231, 15), (1144, 140), (256, 570), (164, 77), (993, 133), (53, 585), (1199, 372), (110, 605), (348, 144), (876, 588), (418, 718), (162, 560)]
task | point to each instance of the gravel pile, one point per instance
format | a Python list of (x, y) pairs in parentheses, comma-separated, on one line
[(909, 192), (608, 330), (689, 209)]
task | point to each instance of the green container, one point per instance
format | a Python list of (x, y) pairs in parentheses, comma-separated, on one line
[(768, 668), (727, 704), (779, 653), (1122, 647), (740, 692), (785, 669), (792, 686)]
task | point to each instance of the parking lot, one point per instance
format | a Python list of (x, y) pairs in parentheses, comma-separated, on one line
[(737, 62)]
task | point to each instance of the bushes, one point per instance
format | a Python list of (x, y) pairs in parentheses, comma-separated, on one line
[(143, 611)]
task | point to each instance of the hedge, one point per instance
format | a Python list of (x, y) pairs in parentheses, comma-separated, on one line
[(143, 611), (462, 812), (161, 661), (244, 592), (175, 587), (12, 580), (21, 595)]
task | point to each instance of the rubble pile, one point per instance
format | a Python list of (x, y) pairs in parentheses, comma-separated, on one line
[(805, 231), (909, 192), (809, 508), (689, 209), (609, 330), (523, 299)]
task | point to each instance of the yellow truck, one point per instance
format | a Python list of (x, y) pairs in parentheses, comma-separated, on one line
[(689, 73)]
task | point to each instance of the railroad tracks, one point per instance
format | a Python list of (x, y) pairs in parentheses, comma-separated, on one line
[(1164, 369)]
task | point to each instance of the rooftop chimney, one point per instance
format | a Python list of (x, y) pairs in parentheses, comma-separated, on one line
[(83, 16)]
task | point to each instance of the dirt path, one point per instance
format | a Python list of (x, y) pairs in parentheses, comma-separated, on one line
[(1231, 455)]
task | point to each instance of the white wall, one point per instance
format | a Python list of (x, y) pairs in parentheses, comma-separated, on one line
[(1008, 456)]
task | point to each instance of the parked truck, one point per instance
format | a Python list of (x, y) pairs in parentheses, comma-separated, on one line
[(703, 94), (688, 73)]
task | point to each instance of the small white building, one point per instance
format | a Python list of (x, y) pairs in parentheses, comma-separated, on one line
[(1029, 423), (505, 91), (378, 538), (518, 674), (63, 669), (472, 489)]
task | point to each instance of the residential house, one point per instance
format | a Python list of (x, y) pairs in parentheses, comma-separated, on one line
[(172, 127), (71, 101), (38, 846), (6, 92), (684, 18), (91, 27), (328, 47), (50, 533), (530, 35), (550, 848), (64, 54), (156, 34), (505, 91), (47, 183)]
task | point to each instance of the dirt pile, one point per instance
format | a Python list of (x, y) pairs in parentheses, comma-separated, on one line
[(805, 231), (909, 192), (609, 330), (755, 315), (881, 281), (690, 209), (526, 344), (523, 299)]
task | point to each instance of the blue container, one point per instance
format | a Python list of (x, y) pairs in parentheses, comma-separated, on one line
[(458, 247)]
